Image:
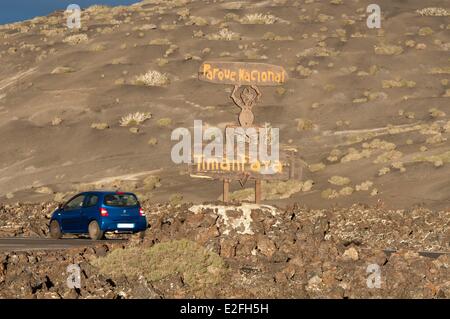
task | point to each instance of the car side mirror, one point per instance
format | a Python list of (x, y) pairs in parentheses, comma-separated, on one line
[(60, 206)]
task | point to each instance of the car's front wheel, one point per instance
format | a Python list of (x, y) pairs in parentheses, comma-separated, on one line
[(94, 231), (55, 230)]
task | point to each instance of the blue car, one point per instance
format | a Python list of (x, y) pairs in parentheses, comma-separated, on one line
[(98, 212)]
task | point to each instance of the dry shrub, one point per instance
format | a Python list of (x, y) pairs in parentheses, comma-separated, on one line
[(198, 266), (339, 180), (364, 186), (76, 39), (100, 126), (354, 155), (398, 83), (392, 155), (160, 41), (437, 160), (316, 167), (386, 49), (271, 190), (304, 125), (165, 122), (433, 12), (258, 18), (62, 70), (224, 34), (135, 118), (152, 78)]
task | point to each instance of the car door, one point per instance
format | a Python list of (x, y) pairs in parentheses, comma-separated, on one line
[(89, 211), (71, 214)]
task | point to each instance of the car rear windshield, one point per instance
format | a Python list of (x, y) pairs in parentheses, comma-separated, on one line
[(120, 200)]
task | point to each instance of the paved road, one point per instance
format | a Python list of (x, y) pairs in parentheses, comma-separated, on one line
[(429, 254), (27, 244)]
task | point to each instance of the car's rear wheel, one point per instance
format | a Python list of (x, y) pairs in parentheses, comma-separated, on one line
[(94, 231), (55, 230)]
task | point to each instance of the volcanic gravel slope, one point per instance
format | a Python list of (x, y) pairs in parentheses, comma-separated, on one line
[(370, 105), (268, 253)]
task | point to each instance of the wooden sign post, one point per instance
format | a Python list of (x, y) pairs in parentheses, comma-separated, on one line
[(246, 77)]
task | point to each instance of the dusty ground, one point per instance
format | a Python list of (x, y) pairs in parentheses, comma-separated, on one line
[(369, 105), (243, 251)]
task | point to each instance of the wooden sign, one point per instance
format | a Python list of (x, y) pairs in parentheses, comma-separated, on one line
[(239, 171), (249, 76), (222, 168), (242, 73)]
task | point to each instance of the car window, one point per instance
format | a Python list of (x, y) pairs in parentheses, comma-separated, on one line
[(120, 200), (77, 202), (92, 201)]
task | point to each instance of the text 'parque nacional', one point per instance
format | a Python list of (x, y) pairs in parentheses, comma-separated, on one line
[(242, 73)]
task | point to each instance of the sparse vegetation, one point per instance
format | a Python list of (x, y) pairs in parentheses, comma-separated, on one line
[(316, 167), (437, 160), (304, 125), (354, 155), (386, 49), (162, 61), (383, 171), (346, 191), (434, 112), (434, 12), (152, 78), (436, 139), (44, 190), (329, 194), (440, 70), (234, 5), (176, 199), (334, 155), (399, 166), (273, 37), (100, 126), (160, 41), (304, 71), (364, 186), (400, 83), (172, 48), (151, 182), (136, 118), (76, 39), (365, 108), (258, 18), (152, 141), (165, 122), (425, 31), (56, 121), (379, 144), (339, 180), (224, 34), (98, 47), (199, 21), (324, 18), (63, 69), (271, 190), (388, 156), (198, 266)]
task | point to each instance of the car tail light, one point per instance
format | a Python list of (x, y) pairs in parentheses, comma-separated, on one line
[(141, 212), (103, 212)]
